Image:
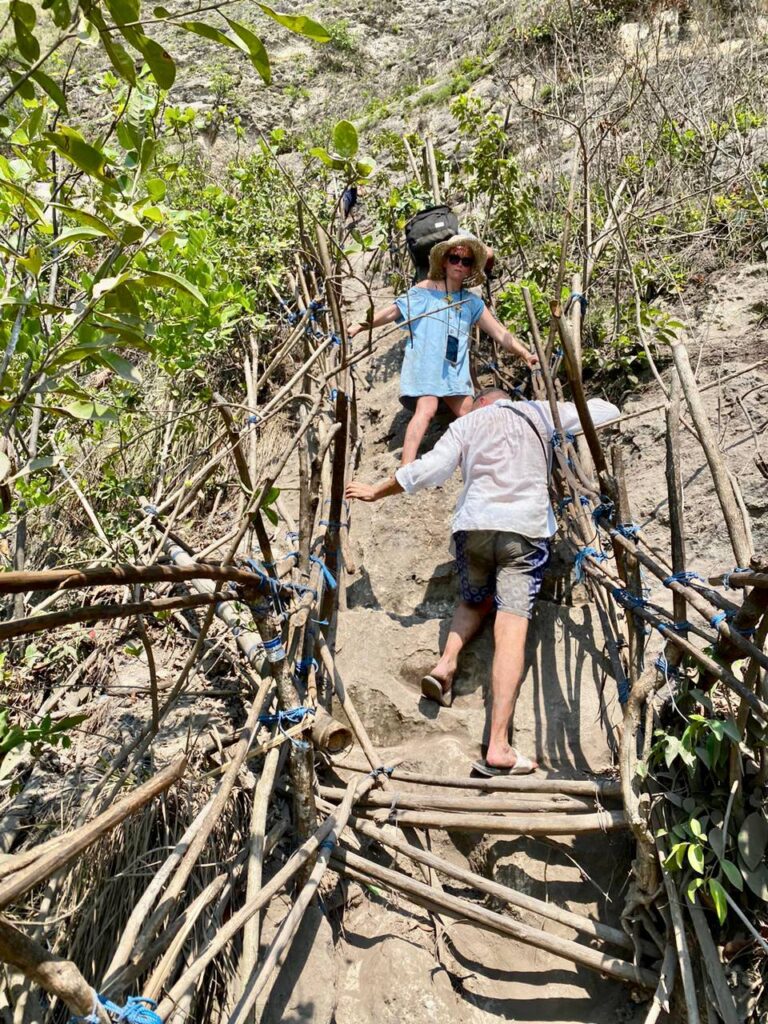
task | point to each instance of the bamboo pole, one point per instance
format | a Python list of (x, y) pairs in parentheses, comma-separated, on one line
[(741, 579), (508, 824), (281, 944), (414, 800), (361, 869), (388, 836), (251, 930), (104, 612), (24, 870), (230, 928), (122, 574), (597, 788), (187, 864), (734, 522), (681, 942)]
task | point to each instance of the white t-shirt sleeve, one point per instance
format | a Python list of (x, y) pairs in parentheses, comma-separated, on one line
[(433, 468)]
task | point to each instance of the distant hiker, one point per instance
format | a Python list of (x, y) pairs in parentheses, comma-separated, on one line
[(501, 528), (348, 200), (439, 314)]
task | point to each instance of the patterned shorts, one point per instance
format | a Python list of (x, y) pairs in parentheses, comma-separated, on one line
[(502, 565)]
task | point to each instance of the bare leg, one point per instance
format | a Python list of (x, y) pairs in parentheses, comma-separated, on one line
[(459, 405), (466, 621), (507, 675), (426, 407)]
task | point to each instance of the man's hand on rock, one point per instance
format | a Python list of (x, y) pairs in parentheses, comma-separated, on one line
[(356, 489), (372, 492)]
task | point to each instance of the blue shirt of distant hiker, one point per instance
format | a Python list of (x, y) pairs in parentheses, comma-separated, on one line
[(436, 357)]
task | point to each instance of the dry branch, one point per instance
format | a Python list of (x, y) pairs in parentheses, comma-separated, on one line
[(24, 870)]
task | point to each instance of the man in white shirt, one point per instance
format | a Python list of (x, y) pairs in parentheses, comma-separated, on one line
[(501, 528)]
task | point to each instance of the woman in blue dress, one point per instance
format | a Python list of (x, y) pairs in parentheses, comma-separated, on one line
[(438, 315)]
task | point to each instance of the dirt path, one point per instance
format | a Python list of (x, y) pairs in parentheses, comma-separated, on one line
[(399, 605)]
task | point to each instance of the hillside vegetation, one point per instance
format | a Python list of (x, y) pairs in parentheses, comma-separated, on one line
[(176, 383)]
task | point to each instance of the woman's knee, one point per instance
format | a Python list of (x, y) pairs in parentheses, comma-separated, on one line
[(426, 408)]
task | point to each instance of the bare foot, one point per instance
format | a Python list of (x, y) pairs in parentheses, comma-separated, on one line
[(505, 757), (444, 678)]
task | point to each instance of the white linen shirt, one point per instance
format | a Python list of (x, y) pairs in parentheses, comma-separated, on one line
[(504, 467)]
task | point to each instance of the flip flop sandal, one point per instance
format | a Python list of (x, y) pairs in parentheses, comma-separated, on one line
[(432, 689), (522, 766)]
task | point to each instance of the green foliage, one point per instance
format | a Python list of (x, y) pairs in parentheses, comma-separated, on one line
[(492, 175), (344, 154), (46, 733), (716, 842), (340, 36)]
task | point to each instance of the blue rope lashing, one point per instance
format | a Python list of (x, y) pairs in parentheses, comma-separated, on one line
[(327, 574), (333, 522), (683, 577), (663, 665), (381, 770), (137, 1010), (303, 667), (679, 627), (293, 717), (292, 535), (599, 556), (557, 440), (328, 844), (564, 503), (622, 686), (727, 576), (335, 339), (628, 530), (604, 510), (584, 500), (151, 510), (254, 418), (719, 617), (493, 367), (582, 300), (627, 599)]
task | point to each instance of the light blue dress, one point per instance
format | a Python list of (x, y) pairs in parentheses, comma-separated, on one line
[(430, 318)]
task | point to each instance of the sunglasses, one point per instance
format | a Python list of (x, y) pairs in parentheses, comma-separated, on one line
[(466, 261)]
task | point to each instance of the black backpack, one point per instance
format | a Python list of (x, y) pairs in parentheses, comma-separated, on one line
[(425, 229)]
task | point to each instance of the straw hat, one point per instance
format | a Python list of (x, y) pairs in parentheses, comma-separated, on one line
[(441, 250)]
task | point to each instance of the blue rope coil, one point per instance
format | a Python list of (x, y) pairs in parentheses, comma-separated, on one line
[(599, 556), (137, 1010), (682, 577)]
